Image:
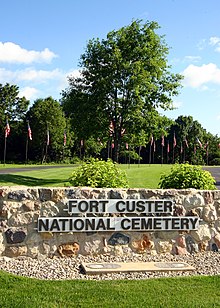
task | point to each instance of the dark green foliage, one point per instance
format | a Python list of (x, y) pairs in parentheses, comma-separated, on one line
[(98, 173), (123, 78), (187, 176), (12, 106), (46, 114), (215, 162)]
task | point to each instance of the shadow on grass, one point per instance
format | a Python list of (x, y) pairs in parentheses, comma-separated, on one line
[(6, 179)]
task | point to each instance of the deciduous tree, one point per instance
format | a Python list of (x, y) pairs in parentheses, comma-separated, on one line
[(123, 77)]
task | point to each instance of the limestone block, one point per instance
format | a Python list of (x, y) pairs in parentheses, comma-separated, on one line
[(181, 241), (179, 210), (93, 247), (28, 206), (45, 194), (49, 209), (33, 239), (73, 193), (2, 246), (193, 201), (126, 250), (34, 193), (180, 250), (217, 206), (4, 211), (15, 251), (46, 248), (191, 245), (203, 246), (33, 251), (208, 197), (217, 239), (166, 235), (68, 249), (21, 219), (202, 234), (209, 213), (58, 195), (118, 250), (217, 224), (143, 244), (164, 247), (19, 195), (46, 235)]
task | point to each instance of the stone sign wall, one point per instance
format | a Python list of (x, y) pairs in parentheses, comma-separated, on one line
[(22, 207)]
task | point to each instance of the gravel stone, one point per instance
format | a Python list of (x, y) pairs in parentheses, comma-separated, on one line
[(205, 263)]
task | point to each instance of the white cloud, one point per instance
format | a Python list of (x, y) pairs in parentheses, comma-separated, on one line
[(201, 44), (192, 58), (215, 41), (28, 92), (30, 75), (39, 76), (198, 76), (177, 104), (13, 53)]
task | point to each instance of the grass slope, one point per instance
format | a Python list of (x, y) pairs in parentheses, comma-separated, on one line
[(165, 292), (139, 176)]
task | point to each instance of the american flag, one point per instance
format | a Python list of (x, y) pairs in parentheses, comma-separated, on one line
[(64, 138), (29, 132), (174, 140), (162, 141), (199, 142), (48, 137), (111, 128), (186, 142), (7, 129)]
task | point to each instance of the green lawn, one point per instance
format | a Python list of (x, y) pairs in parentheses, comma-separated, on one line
[(145, 176), (139, 176), (165, 292)]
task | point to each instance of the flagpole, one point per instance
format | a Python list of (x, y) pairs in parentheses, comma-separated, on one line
[(184, 153), (139, 153), (162, 145), (150, 155), (154, 149), (26, 151), (5, 150)]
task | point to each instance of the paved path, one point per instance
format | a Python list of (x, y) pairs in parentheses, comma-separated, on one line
[(215, 172)]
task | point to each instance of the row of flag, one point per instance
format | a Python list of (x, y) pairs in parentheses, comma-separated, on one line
[(8, 130), (111, 131)]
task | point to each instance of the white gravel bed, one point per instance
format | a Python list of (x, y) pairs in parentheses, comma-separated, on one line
[(207, 263)]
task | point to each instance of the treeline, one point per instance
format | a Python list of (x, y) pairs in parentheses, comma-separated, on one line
[(44, 133), (110, 110)]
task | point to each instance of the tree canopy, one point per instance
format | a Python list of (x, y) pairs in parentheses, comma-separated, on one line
[(123, 78), (48, 124)]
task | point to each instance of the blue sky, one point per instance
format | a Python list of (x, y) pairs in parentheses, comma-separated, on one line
[(41, 43)]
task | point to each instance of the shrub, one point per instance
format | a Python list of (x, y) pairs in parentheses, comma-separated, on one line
[(215, 162), (98, 173), (187, 176)]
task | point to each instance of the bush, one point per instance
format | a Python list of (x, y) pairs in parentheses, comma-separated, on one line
[(187, 176), (215, 162), (98, 173)]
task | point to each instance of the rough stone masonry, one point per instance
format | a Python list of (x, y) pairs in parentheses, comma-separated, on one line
[(22, 207)]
